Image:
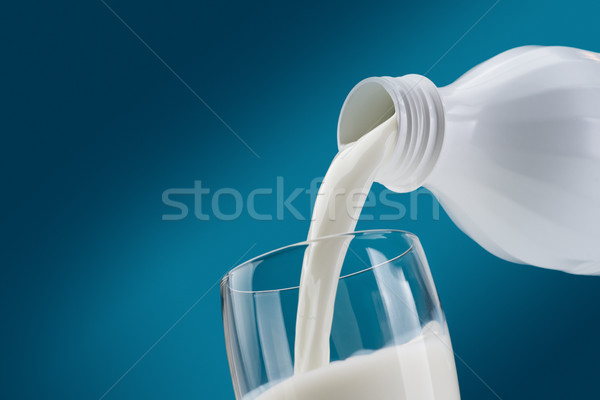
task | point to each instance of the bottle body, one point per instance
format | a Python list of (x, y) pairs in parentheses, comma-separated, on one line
[(520, 166), (519, 163)]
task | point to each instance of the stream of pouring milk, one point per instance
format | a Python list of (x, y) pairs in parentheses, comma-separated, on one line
[(337, 209), (422, 369)]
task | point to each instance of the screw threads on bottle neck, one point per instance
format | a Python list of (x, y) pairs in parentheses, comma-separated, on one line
[(420, 120)]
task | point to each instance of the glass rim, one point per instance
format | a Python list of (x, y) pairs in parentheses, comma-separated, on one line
[(410, 235)]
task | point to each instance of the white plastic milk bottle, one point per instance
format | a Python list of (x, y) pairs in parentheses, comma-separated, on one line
[(511, 150)]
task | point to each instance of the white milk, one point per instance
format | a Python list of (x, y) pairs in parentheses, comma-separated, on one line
[(422, 369), (338, 206)]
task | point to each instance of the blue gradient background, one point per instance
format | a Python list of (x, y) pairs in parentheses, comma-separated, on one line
[(95, 128)]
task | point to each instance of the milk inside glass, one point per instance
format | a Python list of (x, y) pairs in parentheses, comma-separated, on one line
[(422, 369)]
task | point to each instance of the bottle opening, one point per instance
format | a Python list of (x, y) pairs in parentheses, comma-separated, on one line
[(368, 104)]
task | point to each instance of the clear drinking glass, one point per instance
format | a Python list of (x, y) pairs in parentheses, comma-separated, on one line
[(389, 338)]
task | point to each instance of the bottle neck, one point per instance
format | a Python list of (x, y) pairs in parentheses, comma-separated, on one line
[(419, 114)]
